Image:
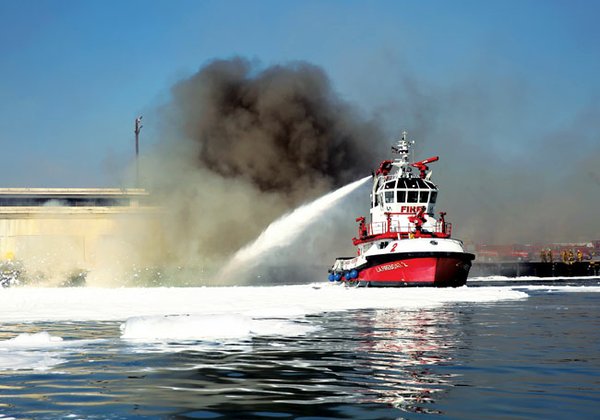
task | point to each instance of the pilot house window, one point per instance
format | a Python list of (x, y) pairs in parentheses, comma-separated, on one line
[(413, 196), (389, 196), (424, 196), (401, 196)]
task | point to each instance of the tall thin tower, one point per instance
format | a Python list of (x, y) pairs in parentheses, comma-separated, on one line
[(138, 128)]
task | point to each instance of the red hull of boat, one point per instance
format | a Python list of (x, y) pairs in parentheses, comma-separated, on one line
[(444, 271)]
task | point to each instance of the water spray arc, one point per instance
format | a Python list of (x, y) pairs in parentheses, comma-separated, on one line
[(265, 138), (285, 230)]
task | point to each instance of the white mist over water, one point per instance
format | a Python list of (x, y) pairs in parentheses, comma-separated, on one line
[(286, 229)]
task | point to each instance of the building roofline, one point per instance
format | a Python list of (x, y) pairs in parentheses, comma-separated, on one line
[(73, 192)]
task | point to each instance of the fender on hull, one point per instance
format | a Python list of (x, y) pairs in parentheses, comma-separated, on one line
[(445, 269)]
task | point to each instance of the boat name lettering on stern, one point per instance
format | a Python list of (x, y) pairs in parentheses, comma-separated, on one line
[(392, 266)]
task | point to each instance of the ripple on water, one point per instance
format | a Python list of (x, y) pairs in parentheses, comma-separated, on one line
[(532, 357)]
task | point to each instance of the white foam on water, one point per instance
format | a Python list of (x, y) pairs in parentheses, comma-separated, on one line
[(30, 352), (36, 340), (118, 304), (179, 315), (270, 302), (186, 327), (286, 229), (37, 351), (563, 289), (526, 278), (27, 360), (208, 327)]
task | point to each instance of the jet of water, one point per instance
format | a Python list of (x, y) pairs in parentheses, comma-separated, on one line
[(286, 229)]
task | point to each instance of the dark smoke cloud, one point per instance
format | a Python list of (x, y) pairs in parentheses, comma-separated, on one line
[(282, 128), (246, 144)]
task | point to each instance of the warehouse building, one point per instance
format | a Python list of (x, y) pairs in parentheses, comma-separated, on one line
[(71, 228)]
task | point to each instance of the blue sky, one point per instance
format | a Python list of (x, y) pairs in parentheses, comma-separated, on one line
[(74, 74)]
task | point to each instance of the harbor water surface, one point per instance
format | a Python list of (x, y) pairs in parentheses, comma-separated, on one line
[(536, 357)]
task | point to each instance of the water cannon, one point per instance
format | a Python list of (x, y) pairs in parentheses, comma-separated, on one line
[(422, 165), (384, 167), (362, 227), (418, 219)]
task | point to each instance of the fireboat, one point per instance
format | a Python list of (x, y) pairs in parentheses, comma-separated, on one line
[(404, 244)]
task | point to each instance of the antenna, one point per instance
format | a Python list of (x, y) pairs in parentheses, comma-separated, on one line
[(138, 128)]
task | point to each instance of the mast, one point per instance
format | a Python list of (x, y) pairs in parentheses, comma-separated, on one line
[(402, 148)]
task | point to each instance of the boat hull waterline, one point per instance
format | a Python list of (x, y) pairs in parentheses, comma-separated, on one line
[(431, 269)]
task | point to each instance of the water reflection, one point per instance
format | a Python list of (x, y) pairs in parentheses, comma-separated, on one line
[(366, 363), (403, 349), (384, 360), (529, 357)]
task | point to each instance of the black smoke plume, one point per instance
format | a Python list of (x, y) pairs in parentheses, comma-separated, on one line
[(247, 144), (282, 128)]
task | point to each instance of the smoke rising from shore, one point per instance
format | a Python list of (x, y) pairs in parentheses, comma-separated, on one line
[(242, 145), (246, 145)]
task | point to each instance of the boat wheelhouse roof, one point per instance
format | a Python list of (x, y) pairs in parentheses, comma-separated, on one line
[(411, 183)]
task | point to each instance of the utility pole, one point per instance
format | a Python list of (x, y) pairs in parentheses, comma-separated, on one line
[(138, 128)]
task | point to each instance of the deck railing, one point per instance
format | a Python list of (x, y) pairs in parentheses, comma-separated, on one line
[(379, 228)]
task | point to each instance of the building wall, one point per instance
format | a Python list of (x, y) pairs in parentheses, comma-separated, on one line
[(78, 237)]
